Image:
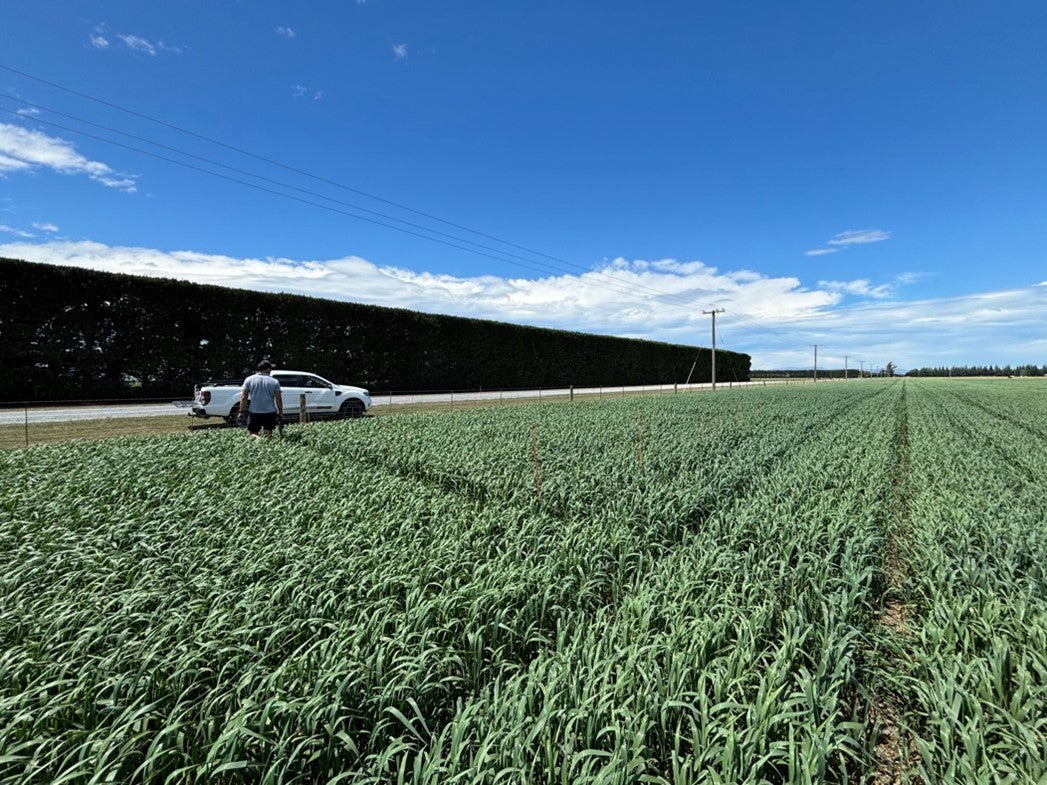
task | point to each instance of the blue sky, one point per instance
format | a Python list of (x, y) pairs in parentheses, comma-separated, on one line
[(867, 177)]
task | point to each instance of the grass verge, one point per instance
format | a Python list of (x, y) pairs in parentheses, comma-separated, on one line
[(16, 436)]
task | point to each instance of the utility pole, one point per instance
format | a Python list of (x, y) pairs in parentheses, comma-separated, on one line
[(815, 361), (845, 358), (713, 313), (861, 373)]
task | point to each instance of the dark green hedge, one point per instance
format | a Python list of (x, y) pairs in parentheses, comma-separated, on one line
[(67, 333)]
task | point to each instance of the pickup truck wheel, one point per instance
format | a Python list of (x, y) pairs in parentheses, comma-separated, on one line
[(351, 408), (234, 415)]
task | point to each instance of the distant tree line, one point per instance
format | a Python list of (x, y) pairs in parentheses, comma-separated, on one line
[(981, 370), (808, 373), (68, 333)]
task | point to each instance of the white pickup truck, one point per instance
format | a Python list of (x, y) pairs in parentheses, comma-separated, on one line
[(221, 397)]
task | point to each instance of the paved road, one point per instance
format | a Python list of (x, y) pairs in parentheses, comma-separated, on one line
[(72, 413)]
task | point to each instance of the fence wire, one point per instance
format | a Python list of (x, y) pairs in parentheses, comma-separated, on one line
[(23, 423)]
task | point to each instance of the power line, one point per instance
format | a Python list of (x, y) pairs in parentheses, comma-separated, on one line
[(632, 286), (607, 280), (276, 193), (287, 167), (752, 325), (604, 282), (242, 151), (610, 283), (263, 178)]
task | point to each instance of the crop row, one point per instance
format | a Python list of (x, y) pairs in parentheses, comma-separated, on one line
[(972, 661), (681, 589)]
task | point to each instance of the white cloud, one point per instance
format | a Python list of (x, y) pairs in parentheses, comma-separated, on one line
[(7, 163), (286, 32), (138, 44), (29, 111), (773, 319), (844, 240), (860, 287), (4, 228), (860, 237), (98, 37), (400, 51), (301, 91), (45, 227), (620, 296), (905, 278), (24, 149)]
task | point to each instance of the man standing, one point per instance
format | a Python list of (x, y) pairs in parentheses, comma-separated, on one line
[(266, 403)]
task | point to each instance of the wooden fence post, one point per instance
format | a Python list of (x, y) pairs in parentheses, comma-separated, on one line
[(639, 435), (534, 455)]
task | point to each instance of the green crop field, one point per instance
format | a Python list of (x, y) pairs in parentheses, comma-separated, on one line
[(836, 583)]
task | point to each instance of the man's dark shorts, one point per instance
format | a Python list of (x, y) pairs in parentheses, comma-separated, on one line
[(256, 421)]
